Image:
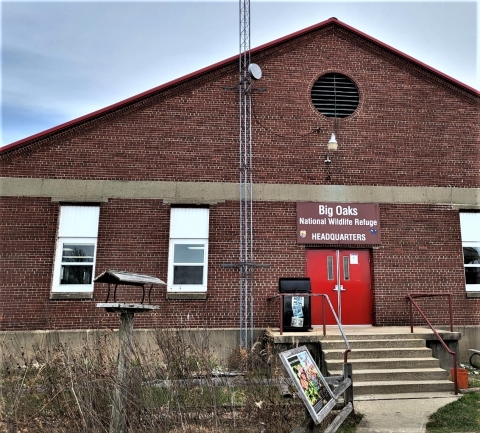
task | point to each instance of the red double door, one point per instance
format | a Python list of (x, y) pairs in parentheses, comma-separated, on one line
[(346, 277)]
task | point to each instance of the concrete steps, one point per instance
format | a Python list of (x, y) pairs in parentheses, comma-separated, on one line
[(396, 374), (401, 387), (389, 352), (388, 364)]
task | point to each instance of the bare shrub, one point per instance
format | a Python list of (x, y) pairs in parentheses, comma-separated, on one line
[(175, 384)]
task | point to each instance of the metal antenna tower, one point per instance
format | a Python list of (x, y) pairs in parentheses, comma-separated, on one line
[(246, 264), (245, 166)]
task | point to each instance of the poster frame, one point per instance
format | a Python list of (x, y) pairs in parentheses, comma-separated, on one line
[(319, 409)]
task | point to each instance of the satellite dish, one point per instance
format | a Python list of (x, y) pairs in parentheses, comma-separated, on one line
[(254, 71)]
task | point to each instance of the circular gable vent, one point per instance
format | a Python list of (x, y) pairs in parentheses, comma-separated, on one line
[(335, 95)]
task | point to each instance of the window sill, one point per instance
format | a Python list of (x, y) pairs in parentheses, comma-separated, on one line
[(186, 295), (71, 295), (473, 294)]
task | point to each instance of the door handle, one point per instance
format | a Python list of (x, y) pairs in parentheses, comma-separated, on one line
[(335, 289)]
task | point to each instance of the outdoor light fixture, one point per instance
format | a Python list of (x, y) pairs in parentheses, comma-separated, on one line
[(332, 145)]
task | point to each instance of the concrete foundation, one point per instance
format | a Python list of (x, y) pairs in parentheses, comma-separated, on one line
[(21, 347), (470, 340)]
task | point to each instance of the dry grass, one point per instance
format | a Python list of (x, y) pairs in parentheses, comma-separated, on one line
[(175, 386)]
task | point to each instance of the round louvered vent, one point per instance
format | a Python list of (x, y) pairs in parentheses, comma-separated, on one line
[(335, 95)]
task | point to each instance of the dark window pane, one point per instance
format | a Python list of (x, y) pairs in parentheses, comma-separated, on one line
[(471, 255), (188, 275), (472, 275), (76, 275), (78, 253)]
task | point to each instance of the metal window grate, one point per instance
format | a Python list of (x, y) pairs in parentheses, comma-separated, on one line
[(335, 95)]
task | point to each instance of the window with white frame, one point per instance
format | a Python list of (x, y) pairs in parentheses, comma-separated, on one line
[(470, 227), (76, 249), (188, 250)]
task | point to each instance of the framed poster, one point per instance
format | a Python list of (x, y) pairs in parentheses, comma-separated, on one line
[(309, 381)]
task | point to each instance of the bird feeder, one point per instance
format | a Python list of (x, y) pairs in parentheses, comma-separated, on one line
[(127, 312)]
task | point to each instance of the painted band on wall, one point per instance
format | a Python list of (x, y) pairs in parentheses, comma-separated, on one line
[(338, 223)]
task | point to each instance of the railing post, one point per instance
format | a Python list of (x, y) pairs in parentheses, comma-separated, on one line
[(347, 374), (323, 315), (281, 313), (455, 378), (411, 313), (450, 310)]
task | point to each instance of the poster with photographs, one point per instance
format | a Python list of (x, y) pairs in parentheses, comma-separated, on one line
[(297, 310), (309, 381)]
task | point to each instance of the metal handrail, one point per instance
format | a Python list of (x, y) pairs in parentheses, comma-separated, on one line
[(451, 352), (324, 297), (432, 295)]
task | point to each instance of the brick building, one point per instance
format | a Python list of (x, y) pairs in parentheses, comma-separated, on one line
[(395, 211)]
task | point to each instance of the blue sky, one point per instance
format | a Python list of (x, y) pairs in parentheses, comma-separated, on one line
[(61, 60)]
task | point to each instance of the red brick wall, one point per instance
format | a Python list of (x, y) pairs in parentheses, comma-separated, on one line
[(27, 233), (420, 252), (408, 131)]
